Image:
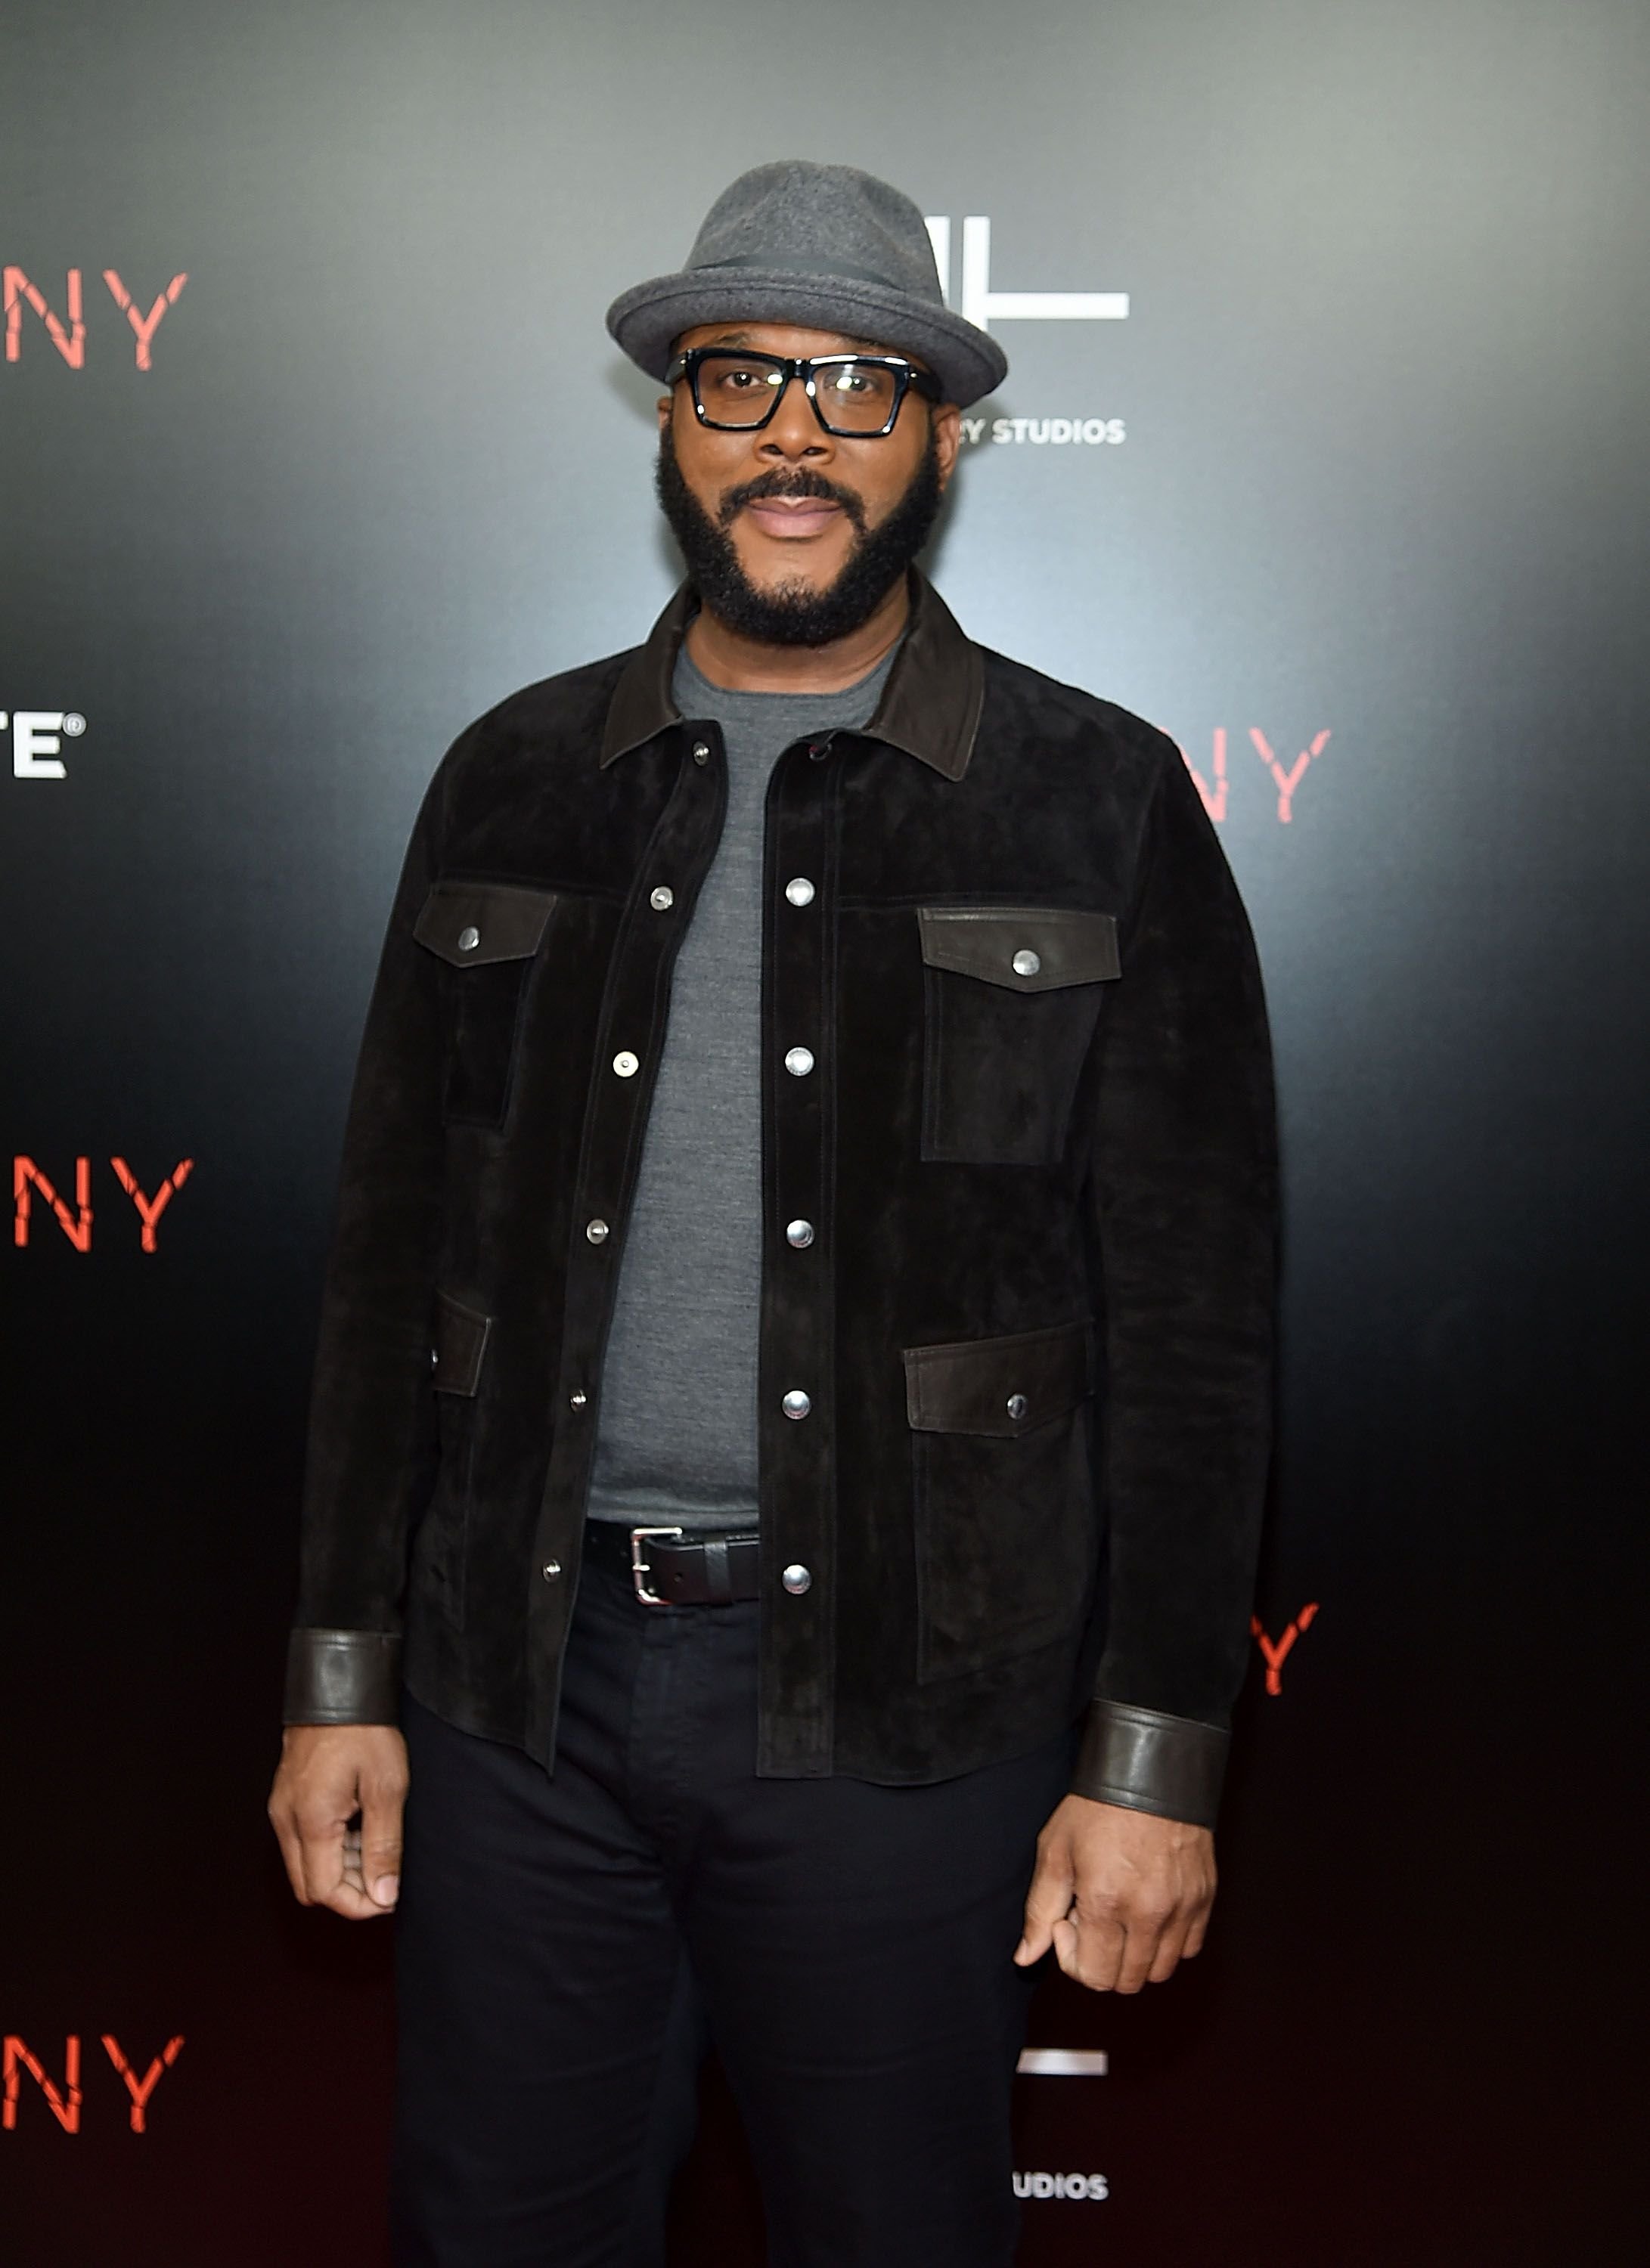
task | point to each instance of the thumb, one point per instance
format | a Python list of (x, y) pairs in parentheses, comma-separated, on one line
[(1048, 1900), (380, 1843)]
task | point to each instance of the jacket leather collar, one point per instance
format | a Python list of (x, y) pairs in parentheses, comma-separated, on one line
[(930, 706)]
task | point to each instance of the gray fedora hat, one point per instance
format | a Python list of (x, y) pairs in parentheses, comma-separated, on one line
[(825, 247)]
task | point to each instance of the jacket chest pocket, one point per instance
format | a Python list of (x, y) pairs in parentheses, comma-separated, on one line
[(486, 933), (1011, 997), (1006, 1530)]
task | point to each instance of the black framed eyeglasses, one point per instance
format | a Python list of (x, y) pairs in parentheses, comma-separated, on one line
[(857, 397)]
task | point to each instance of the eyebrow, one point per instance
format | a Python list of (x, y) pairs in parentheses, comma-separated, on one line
[(744, 339)]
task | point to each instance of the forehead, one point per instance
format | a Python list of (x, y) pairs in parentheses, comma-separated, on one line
[(785, 339)]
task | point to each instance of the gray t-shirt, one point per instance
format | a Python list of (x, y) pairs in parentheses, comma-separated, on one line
[(677, 1429)]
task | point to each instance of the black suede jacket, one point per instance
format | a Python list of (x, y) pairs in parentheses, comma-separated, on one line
[(1036, 1146)]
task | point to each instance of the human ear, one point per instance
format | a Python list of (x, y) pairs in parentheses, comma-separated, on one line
[(947, 429)]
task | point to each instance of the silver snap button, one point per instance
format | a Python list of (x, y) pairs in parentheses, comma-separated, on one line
[(796, 1403), (434, 1358), (1018, 1405), (799, 890), (468, 939), (1026, 962), (596, 1231), (799, 1061), (797, 1580), (662, 899), (800, 1232), (551, 1571), (820, 750), (626, 1065), (701, 752), (578, 1398)]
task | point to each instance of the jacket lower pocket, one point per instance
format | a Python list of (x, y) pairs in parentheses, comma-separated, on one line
[(458, 1352), (1010, 998), (1006, 1524)]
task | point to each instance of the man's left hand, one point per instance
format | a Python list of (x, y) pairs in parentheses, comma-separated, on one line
[(1122, 1896)]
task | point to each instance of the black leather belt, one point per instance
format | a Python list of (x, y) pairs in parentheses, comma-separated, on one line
[(670, 1567)]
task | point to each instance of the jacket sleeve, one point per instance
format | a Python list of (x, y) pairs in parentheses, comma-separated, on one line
[(1183, 1198), (370, 1460)]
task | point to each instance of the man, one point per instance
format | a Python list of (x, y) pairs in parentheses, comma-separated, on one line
[(791, 1403)]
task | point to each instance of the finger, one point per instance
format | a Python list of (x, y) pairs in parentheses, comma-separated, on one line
[(320, 1831), (344, 1892), (1197, 1930), (382, 1805), (1048, 1902), (354, 1904), (1090, 1950), (1145, 1934), (1152, 1916), (291, 1851), (1171, 1948)]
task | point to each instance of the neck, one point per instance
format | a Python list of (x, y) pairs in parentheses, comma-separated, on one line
[(745, 665)]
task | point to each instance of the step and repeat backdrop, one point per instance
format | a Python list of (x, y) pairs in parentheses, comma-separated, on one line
[(1324, 449)]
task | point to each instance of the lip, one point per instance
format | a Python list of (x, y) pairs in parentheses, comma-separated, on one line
[(793, 517)]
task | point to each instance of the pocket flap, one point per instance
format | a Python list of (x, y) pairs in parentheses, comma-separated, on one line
[(1002, 1386), (1028, 948), (471, 923), (460, 1340)]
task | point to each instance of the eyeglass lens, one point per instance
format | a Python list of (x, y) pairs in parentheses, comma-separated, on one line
[(856, 397)]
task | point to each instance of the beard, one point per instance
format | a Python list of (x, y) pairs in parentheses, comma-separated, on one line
[(794, 613)]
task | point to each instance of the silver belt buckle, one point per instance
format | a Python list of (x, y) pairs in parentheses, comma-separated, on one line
[(639, 1569)]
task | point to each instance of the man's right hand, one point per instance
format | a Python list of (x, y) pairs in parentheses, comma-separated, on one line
[(328, 1773)]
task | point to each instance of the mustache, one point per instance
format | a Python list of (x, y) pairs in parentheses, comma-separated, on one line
[(798, 483)]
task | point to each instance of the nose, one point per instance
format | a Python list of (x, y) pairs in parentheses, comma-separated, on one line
[(793, 433)]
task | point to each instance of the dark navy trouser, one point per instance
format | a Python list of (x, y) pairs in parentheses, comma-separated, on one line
[(564, 1942)]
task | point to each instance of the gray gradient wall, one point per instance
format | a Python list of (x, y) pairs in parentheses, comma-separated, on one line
[(1359, 518)]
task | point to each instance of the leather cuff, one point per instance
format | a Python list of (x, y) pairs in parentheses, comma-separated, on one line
[(1149, 1762), (342, 1678)]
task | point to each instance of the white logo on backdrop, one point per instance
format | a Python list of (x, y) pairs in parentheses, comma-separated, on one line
[(1065, 2062), (1096, 2187), (978, 303), (37, 740), (981, 305)]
